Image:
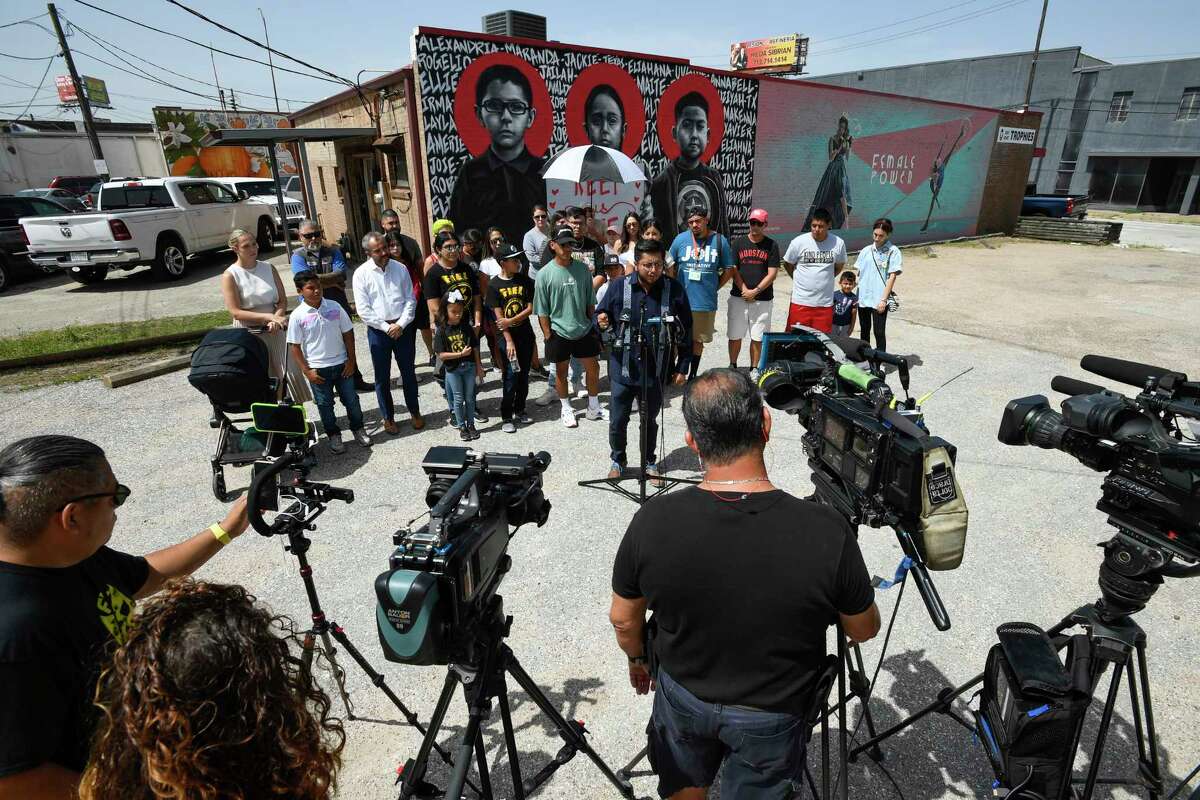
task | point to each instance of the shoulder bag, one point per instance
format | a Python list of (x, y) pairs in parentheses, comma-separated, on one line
[(893, 301)]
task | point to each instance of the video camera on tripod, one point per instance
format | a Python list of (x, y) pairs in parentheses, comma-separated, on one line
[(871, 454), (442, 577)]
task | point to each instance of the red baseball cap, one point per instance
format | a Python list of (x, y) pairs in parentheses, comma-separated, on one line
[(759, 215)]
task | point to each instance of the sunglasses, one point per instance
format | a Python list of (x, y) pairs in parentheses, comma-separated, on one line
[(755, 222), (119, 496), (540, 216), (313, 235), (516, 108)]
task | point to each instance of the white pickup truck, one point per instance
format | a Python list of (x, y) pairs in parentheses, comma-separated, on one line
[(155, 221)]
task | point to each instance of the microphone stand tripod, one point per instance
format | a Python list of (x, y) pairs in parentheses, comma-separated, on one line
[(646, 355)]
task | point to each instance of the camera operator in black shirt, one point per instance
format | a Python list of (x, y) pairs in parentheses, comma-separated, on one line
[(744, 581), (65, 601)]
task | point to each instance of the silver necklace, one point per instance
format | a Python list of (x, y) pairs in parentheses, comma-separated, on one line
[(733, 483)]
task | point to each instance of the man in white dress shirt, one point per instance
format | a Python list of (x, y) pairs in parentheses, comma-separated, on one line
[(383, 293)]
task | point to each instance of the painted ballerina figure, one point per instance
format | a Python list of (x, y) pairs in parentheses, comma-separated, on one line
[(937, 172), (833, 191)]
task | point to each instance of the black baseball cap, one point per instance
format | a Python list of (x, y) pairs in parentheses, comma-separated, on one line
[(612, 260), (507, 251), (565, 235)]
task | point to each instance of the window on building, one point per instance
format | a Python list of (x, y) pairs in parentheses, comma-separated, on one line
[(321, 179), (337, 181), (1189, 104), (397, 164), (1118, 109)]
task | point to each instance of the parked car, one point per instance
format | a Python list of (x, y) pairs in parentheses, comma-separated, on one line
[(1055, 205), (158, 221), (263, 191), (60, 196), (75, 184), (14, 260), (292, 188)]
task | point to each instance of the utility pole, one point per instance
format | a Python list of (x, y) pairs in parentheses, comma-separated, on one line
[(271, 61), (85, 107), (1037, 49)]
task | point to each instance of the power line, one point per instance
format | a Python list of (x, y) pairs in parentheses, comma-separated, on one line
[(27, 58), (143, 76), (205, 46), (94, 37), (257, 43), (931, 27), (893, 24), (38, 90), (23, 21)]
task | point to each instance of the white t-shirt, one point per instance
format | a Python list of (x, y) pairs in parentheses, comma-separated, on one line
[(319, 331), (812, 281), (490, 267), (628, 255)]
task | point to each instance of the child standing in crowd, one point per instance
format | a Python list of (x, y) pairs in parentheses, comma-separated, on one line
[(321, 338), (845, 304), (456, 345), (510, 296)]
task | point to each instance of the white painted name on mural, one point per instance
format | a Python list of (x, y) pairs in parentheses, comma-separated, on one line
[(889, 169), (1016, 136)]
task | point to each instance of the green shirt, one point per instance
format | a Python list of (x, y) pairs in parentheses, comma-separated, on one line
[(564, 294)]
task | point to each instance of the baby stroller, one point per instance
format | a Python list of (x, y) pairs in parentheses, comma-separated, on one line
[(230, 366)]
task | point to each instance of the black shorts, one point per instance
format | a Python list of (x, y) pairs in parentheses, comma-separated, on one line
[(421, 320), (559, 349)]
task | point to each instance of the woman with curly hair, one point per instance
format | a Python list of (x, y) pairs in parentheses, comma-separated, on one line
[(207, 700)]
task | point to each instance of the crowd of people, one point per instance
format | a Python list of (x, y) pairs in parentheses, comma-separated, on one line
[(545, 310)]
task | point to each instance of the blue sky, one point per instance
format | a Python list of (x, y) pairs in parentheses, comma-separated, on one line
[(348, 35)]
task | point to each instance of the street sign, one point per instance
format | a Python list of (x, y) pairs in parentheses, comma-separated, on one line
[(95, 89), (779, 54)]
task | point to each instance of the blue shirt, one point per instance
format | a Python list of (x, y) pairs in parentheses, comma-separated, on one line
[(843, 307), (874, 267), (327, 259), (699, 265), (646, 305)]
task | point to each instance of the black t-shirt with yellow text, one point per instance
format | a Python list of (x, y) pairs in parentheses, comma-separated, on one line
[(509, 297)]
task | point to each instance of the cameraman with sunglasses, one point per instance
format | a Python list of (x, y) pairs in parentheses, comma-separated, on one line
[(65, 601)]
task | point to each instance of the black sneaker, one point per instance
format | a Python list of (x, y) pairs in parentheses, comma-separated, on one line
[(362, 386), (473, 433), (464, 433), (480, 417)]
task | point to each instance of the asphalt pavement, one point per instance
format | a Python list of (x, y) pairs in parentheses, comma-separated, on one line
[(1181, 238), (1031, 552)]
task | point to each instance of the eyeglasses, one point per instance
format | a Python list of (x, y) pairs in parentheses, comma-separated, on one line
[(450, 247), (119, 496), (313, 235), (539, 216), (516, 108)]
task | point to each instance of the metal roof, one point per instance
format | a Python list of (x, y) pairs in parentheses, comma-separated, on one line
[(270, 136)]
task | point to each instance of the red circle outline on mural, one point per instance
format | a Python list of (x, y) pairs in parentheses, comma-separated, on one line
[(631, 103), (471, 130), (692, 82)]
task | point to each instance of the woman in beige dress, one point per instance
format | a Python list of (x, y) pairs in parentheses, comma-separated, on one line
[(255, 298)]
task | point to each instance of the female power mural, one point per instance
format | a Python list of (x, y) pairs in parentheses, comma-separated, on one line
[(495, 110)]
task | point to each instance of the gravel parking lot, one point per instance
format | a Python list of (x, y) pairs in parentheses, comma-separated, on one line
[(1018, 314)]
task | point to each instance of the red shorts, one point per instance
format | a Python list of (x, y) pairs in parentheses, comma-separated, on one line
[(812, 316)]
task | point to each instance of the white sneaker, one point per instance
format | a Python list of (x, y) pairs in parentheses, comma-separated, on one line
[(548, 397), (568, 418), (362, 437), (754, 376), (597, 413), (335, 442)]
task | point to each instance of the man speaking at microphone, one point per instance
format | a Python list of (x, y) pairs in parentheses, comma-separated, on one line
[(648, 295)]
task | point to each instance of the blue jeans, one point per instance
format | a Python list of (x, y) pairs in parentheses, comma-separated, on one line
[(323, 395), (460, 391), (763, 751), (404, 349), (620, 407)]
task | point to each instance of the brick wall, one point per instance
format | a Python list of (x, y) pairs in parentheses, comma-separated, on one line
[(1008, 171)]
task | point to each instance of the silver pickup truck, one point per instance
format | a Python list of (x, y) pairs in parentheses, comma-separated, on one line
[(158, 221)]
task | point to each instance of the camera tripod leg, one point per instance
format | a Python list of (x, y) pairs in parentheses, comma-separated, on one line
[(1114, 686), (573, 734), (479, 709), (1152, 769), (339, 674), (861, 688), (941, 705), (413, 775), (510, 740)]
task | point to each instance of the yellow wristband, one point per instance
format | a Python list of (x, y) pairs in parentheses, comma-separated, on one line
[(219, 533)]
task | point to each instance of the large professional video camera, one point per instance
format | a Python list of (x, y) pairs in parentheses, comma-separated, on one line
[(1152, 491), (872, 457), (442, 577)]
